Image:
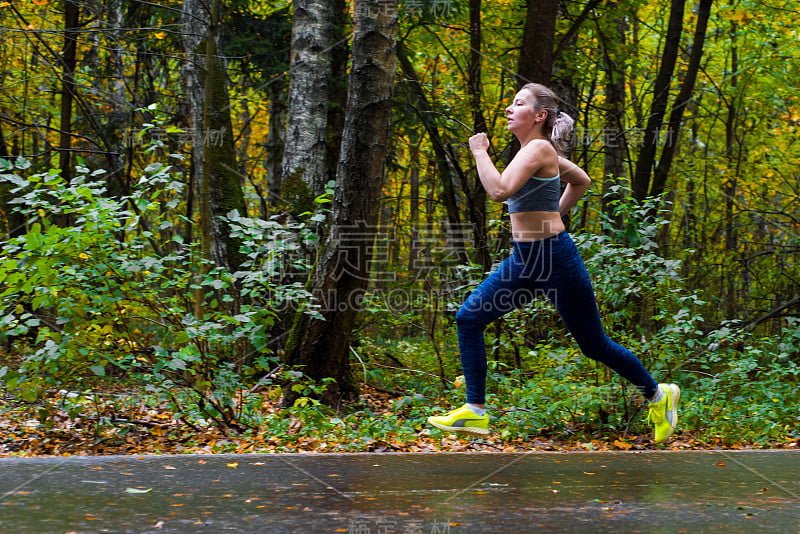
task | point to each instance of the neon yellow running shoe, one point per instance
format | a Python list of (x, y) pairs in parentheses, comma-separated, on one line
[(461, 420), (664, 413)]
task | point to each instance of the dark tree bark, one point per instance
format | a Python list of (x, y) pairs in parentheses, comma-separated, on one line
[(276, 139), (194, 20), (220, 170), (69, 60), (538, 38), (640, 184), (337, 97), (730, 186), (683, 99), (476, 195), (320, 346), (615, 148)]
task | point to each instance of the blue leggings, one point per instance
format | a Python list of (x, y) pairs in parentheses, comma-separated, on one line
[(552, 266)]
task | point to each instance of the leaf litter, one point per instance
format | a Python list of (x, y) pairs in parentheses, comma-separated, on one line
[(144, 430)]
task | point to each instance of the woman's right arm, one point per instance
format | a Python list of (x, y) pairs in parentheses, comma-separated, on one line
[(501, 185)]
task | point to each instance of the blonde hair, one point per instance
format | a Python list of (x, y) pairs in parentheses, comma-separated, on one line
[(558, 125)]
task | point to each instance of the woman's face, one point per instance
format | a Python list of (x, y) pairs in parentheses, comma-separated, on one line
[(521, 113)]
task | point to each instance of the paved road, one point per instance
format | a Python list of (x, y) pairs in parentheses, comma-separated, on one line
[(442, 493)]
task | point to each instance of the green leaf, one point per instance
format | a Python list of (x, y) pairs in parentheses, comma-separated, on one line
[(176, 364), (23, 163), (14, 179), (142, 203)]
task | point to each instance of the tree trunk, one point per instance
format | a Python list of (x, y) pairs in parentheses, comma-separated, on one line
[(538, 37), (615, 147), (194, 20), (337, 91), (647, 155), (304, 170), (214, 168), (276, 140), (320, 346), (682, 100), (476, 195), (69, 62), (730, 185), (220, 170)]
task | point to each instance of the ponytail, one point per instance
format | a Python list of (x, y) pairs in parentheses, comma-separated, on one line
[(562, 132), (558, 125)]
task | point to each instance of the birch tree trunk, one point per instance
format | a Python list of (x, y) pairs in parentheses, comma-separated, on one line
[(320, 345), (304, 156)]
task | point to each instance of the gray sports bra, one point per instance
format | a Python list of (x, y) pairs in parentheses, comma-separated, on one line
[(538, 194)]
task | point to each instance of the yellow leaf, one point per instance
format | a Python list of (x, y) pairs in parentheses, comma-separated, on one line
[(233, 465), (622, 445)]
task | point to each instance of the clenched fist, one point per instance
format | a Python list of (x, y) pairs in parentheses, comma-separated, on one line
[(478, 142)]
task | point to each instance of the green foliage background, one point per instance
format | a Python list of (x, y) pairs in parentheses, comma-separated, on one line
[(101, 290)]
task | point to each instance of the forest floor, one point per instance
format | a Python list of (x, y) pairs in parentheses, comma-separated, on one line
[(145, 430)]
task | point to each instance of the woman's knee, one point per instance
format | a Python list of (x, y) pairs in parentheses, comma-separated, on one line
[(601, 349), (470, 318)]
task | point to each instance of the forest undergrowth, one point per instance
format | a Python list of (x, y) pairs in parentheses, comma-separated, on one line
[(526, 416), (123, 341)]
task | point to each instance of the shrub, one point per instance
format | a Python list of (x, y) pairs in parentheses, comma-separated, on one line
[(117, 290)]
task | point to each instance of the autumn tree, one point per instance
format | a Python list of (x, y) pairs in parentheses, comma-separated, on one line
[(319, 344)]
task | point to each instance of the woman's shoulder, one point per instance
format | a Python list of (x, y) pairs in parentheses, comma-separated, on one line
[(540, 147), (540, 151), (539, 144)]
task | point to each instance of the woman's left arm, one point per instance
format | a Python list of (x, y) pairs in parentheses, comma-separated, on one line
[(577, 184)]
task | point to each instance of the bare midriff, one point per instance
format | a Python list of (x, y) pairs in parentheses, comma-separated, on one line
[(535, 225)]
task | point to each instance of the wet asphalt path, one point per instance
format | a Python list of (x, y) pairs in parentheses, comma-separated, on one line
[(615, 492)]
